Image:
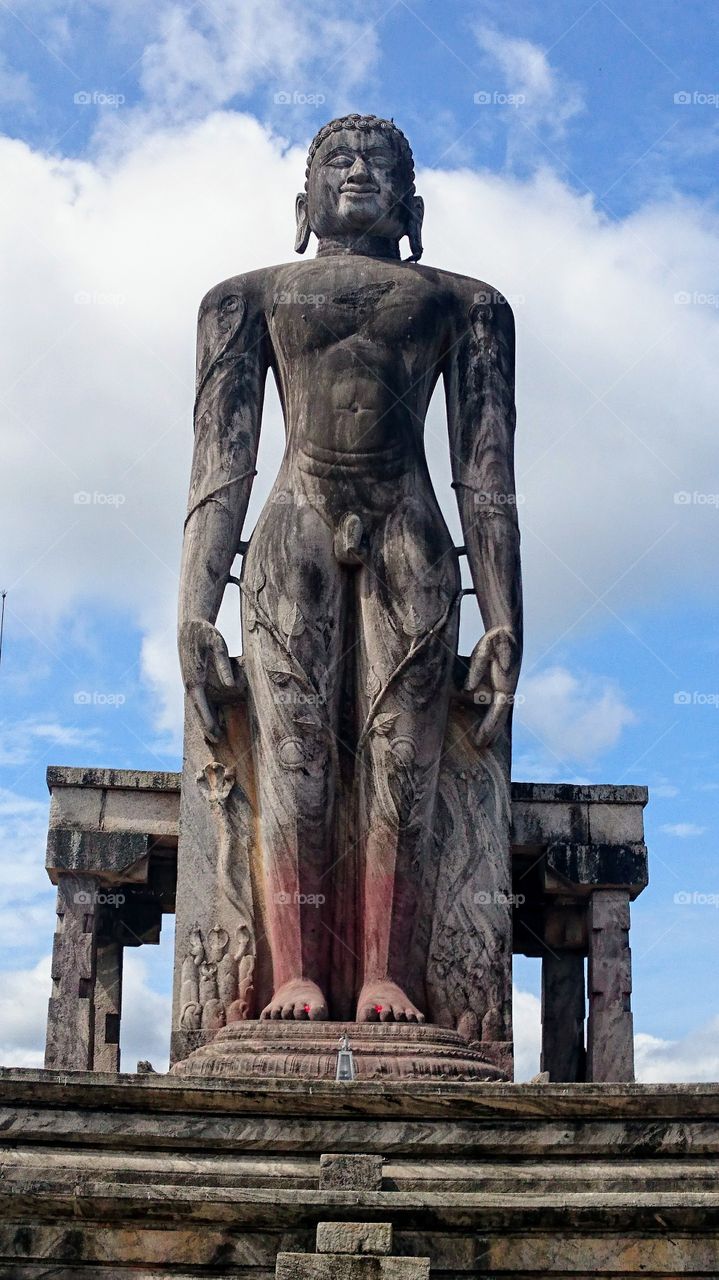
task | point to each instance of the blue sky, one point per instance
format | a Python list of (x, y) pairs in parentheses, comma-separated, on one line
[(566, 153)]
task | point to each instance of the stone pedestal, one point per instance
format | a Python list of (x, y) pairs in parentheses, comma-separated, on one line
[(381, 1051)]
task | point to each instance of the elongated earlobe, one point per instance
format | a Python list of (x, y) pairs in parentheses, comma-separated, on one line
[(302, 238), (414, 228)]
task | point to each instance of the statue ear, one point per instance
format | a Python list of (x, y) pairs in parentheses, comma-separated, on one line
[(302, 237), (415, 219)]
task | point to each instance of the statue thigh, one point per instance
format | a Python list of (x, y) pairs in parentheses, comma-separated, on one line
[(408, 604), (292, 624)]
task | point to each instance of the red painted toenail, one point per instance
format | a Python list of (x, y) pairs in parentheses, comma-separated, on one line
[(378, 1008), (306, 1008)]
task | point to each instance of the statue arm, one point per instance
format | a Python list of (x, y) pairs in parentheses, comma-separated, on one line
[(479, 386), (232, 364)]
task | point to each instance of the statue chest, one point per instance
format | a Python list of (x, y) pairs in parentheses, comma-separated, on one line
[(368, 316)]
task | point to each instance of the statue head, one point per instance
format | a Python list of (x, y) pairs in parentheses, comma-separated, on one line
[(360, 183)]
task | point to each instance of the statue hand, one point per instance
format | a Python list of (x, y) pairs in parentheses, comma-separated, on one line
[(492, 679), (206, 672)]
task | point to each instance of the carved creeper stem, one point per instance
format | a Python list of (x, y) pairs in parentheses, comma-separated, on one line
[(414, 650)]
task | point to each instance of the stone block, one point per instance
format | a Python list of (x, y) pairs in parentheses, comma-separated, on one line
[(340, 1172), (586, 866), (535, 824), (341, 1266), (76, 807), (616, 823), (154, 812), (111, 855), (354, 1237)]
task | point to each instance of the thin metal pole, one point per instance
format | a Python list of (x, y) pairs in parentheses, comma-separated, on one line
[(2, 622)]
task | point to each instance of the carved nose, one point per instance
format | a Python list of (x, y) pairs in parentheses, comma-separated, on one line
[(359, 175)]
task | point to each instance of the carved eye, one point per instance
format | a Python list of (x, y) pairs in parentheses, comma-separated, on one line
[(229, 304), (340, 160)]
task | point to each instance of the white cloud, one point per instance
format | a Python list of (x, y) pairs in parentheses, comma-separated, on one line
[(527, 1021), (23, 1015), (298, 58), (683, 830), (146, 1013), (23, 834), (19, 740), (693, 1058), (547, 100), (575, 718)]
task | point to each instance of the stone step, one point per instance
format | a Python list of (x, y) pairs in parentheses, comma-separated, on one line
[(426, 1176)]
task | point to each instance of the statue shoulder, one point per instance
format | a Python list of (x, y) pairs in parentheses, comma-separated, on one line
[(467, 297), (250, 290), (470, 292)]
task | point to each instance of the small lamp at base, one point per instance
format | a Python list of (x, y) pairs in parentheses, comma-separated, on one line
[(346, 1069)]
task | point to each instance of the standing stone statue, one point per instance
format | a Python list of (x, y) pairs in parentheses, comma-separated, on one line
[(348, 775)]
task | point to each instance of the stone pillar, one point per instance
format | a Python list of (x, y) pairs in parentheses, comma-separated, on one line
[(610, 1038), (71, 1010), (563, 1014), (108, 1006)]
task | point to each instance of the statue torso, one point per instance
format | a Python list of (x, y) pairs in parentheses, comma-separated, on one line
[(357, 345)]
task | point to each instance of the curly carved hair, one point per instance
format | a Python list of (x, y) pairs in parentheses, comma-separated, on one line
[(368, 123)]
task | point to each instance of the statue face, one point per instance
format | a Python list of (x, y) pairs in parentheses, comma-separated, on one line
[(357, 183)]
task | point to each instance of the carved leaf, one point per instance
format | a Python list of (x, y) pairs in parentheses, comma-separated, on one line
[(384, 722), (291, 617), (413, 622), (372, 683), (278, 676)]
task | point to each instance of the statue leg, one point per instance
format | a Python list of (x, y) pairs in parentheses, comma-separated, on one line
[(292, 620), (409, 598)]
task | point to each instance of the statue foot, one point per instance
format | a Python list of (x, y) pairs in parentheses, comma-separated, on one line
[(384, 1001), (300, 1000)]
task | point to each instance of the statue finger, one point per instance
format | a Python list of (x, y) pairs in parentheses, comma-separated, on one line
[(493, 720), (478, 665), (222, 663), (210, 727)]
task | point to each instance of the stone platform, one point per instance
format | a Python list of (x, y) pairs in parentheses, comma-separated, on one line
[(158, 1177)]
